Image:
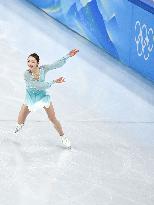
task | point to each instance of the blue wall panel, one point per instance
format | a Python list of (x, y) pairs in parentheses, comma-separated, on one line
[(142, 46), (111, 25)]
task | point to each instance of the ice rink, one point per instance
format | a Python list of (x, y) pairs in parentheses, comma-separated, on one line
[(105, 108)]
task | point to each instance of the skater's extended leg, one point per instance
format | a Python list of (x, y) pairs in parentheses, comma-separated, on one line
[(23, 114), (51, 115), (21, 118)]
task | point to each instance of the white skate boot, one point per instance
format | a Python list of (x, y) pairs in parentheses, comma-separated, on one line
[(18, 127), (66, 142)]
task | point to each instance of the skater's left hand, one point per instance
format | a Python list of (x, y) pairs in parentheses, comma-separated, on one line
[(73, 52), (60, 80)]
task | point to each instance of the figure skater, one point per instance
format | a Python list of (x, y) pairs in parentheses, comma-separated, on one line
[(36, 95)]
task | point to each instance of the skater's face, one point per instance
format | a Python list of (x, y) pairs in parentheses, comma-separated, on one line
[(32, 62)]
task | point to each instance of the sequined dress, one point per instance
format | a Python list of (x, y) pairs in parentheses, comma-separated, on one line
[(36, 90)]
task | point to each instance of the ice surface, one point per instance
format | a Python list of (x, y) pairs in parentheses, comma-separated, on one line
[(104, 107)]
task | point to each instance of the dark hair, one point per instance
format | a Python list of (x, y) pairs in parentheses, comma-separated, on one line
[(35, 56)]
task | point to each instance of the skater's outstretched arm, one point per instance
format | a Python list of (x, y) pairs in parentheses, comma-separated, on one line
[(57, 64), (60, 62), (32, 83)]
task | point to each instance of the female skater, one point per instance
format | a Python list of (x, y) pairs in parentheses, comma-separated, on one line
[(36, 95)]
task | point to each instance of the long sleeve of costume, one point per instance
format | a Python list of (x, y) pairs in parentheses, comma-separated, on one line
[(32, 83), (56, 64)]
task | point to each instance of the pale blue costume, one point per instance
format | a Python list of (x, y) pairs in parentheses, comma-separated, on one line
[(36, 94)]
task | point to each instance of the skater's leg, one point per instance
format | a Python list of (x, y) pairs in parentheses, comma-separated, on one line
[(21, 118), (23, 114), (51, 115)]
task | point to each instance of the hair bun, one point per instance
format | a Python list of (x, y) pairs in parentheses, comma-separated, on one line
[(35, 56)]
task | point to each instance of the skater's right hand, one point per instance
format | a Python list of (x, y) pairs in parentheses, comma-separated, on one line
[(59, 80), (73, 52)]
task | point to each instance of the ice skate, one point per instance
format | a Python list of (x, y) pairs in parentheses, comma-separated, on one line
[(66, 142), (18, 127)]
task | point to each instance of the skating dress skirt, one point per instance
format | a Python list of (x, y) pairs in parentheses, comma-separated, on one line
[(37, 95)]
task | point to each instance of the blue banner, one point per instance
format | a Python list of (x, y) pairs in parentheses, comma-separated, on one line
[(142, 43), (124, 29), (145, 4)]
